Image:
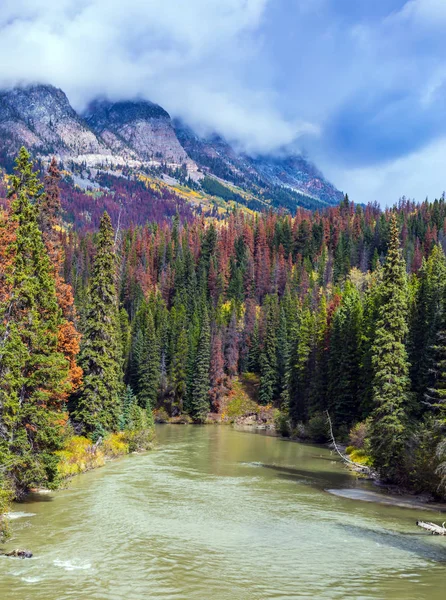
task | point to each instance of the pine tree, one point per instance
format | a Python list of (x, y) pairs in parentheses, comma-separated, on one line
[(200, 387), (426, 321), (298, 380), (216, 372), (97, 405), (283, 359), (391, 384), (33, 373), (128, 402), (268, 354), (345, 358), (149, 365)]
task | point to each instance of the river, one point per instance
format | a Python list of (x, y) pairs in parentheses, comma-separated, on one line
[(215, 513)]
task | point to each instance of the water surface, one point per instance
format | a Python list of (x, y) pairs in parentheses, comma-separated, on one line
[(222, 514)]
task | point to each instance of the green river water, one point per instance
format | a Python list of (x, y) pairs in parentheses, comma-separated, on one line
[(215, 513)]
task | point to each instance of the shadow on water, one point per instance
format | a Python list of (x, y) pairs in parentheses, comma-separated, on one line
[(33, 497), (408, 542), (317, 479)]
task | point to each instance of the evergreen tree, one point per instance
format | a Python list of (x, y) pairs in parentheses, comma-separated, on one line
[(426, 321), (391, 384), (216, 372), (149, 365), (200, 387), (345, 359), (283, 359), (298, 381), (97, 405), (268, 354), (33, 373)]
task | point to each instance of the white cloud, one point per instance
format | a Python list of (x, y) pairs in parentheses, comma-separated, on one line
[(192, 57), (423, 12), (416, 176)]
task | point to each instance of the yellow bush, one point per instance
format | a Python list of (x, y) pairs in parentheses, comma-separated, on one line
[(79, 455), (115, 445), (359, 456)]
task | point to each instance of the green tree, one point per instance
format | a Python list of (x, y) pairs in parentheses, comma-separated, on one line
[(97, 405), (268, 353), (344, 358), (149, 365), (426, 321), (300, 354), (391, 383), (33, 374), (200, 387)]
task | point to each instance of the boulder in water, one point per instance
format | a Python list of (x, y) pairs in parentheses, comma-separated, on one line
[(20, 553)]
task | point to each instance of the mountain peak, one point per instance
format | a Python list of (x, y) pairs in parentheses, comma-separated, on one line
[(137, 129), (40, 117), (102, 113)]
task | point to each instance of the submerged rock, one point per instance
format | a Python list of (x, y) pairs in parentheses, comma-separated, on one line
[(20, 553)]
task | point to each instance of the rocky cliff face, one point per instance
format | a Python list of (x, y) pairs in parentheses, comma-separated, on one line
[(139, 130), (41, 118)]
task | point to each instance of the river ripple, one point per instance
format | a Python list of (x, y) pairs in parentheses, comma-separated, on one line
[(222, 514)]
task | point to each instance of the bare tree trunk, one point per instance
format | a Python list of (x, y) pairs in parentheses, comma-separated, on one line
[(433, 528)]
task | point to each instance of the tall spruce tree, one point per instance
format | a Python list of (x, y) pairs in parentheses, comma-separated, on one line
[(426, 322), (33, 373), (344, 372), (199, 406), (298, 378), (391, 384), (98, 405), (268, 353), (149, 365)]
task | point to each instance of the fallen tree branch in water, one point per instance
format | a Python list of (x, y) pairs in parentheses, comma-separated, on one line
[(433, 528), (357, 466)]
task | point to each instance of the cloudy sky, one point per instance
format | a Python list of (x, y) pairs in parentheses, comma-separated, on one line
[(358, 85)]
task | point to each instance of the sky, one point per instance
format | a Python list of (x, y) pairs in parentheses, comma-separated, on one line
[(358, 86)]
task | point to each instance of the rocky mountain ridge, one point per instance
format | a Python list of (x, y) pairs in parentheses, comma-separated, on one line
[(140, 135)]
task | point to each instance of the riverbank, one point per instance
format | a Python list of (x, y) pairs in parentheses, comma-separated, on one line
[(79, 455)]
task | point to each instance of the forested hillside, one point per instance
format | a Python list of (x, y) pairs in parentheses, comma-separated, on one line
[(340, 311)]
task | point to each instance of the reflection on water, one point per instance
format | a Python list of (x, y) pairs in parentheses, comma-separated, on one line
[(222, 514)]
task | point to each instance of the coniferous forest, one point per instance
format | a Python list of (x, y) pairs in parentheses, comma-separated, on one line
[(339, 312)]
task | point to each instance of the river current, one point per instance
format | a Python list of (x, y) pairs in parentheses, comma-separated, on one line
[(215, 513)]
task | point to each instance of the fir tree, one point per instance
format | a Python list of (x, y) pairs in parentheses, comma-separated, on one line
[(268, 354), (345, 358), (391, 384), (200, 387), (98, 403), (298, 379), (149, 365), (426, 321), (33, 373)]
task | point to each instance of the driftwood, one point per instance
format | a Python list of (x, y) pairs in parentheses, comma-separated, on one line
[(357, 466), (433, 528)]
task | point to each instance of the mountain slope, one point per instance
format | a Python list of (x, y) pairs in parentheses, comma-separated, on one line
[(134, 139), (289, 171)]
